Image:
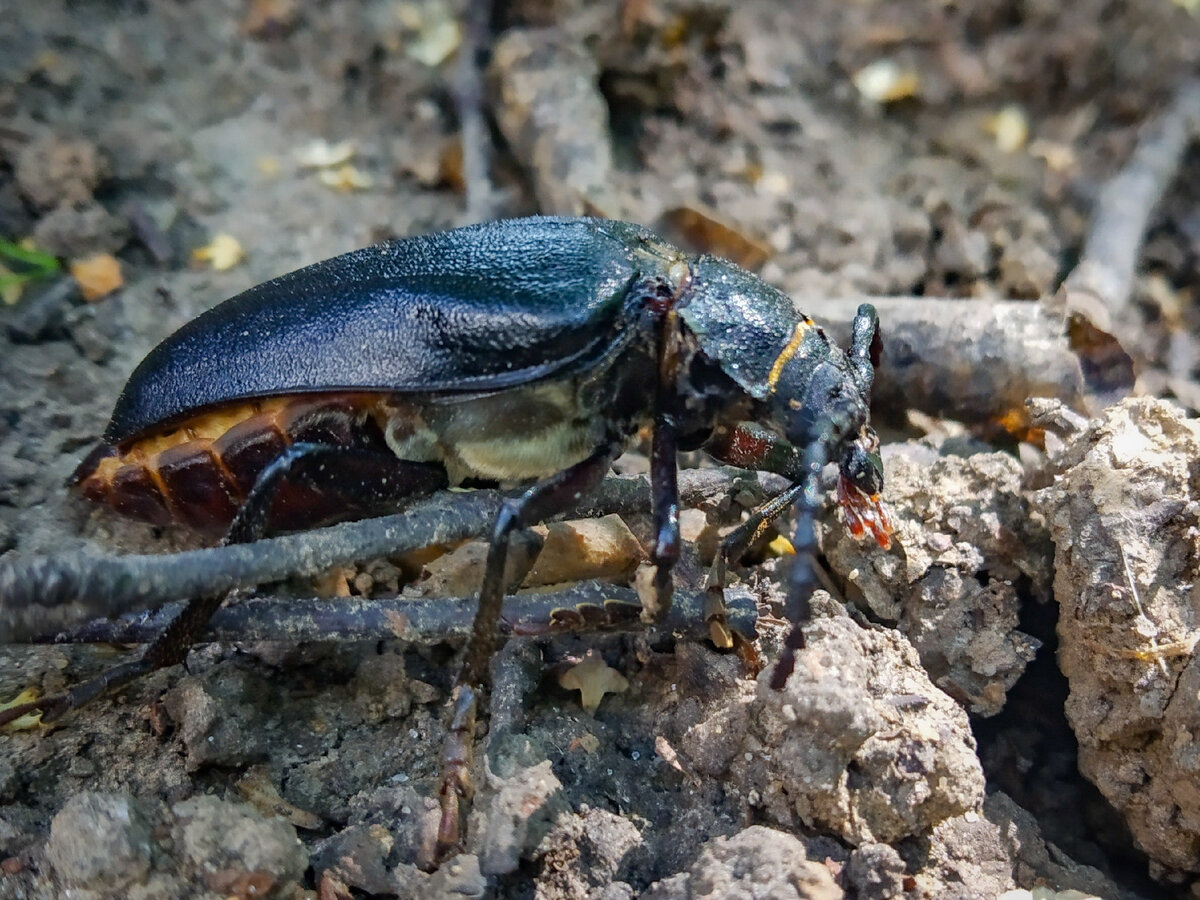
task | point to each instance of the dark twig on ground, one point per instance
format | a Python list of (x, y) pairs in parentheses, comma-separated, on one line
[(1103, 280), (423, 620), (44, 595)]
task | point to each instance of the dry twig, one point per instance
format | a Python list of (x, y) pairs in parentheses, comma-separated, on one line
[(423, 620), (1100, 286), (42, 595), (974, 362)]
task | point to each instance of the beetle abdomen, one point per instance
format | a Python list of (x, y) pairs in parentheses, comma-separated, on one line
[(199, 472)]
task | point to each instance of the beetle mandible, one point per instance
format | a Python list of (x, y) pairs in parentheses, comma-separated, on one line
[(524, 350)]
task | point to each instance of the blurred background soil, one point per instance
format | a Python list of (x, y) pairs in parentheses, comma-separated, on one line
[(172, 154)]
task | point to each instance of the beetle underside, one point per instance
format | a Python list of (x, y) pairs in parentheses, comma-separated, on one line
[(200, 473)]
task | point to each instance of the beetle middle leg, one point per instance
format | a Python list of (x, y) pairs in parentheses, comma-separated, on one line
[(374, 477), (748, 446), (539, 502)]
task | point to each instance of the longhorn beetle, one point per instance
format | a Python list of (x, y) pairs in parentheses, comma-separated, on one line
[(526, 350)]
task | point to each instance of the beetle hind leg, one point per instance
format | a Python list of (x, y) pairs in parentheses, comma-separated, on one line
[(300, 462)]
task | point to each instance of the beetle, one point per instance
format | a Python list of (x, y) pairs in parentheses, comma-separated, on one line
[(513, 352)]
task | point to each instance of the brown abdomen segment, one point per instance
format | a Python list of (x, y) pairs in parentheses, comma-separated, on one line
[(198, 473)]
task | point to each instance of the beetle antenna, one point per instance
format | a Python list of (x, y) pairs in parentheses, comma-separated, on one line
[(802, 579), (866, 348)]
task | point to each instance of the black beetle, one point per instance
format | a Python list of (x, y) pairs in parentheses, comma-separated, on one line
[(515, 351)]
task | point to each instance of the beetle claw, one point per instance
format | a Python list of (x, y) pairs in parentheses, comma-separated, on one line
[(456, 788)]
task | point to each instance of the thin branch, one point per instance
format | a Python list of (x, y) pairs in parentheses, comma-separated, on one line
[(42, 595), (1106, 270), (467, 88), (423, 620)]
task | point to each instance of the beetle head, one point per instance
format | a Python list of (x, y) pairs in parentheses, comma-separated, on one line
[(832, 414)]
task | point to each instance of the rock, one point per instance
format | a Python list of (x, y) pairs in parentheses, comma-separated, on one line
[(1125, 518), (517, 817), (758, 862), (214, 727), (100, 841), (81, 229), (967, 860), (587, 852), (381, 688), (547, 102), (965, 538), (221, 838), (410, 818), (1038, 863), (51, 171), (859, 743), (357, 857), (875, 872)]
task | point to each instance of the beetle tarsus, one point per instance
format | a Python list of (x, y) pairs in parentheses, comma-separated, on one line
[(456, 788)]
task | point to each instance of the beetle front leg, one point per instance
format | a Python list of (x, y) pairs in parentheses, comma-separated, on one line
[(748, 447), (802, 579)]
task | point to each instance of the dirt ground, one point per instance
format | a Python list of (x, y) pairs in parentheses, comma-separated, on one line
[(1005, 701)]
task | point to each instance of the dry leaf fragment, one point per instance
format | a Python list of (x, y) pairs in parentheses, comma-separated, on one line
[(885, 81), (435, 32), (583, 549), (222, 253), (587, 742), (781, 546), (668, 755), (334, 583), (593, 678), (98, 275), (1010, 128), (260, 792), (346, 178), (1058, 157), (268, 166), (11, 287), (701, 229), (269, 18), (320, 154), (27, 722)]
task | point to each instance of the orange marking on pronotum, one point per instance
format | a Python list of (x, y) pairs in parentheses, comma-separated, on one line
[(788, 351)]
